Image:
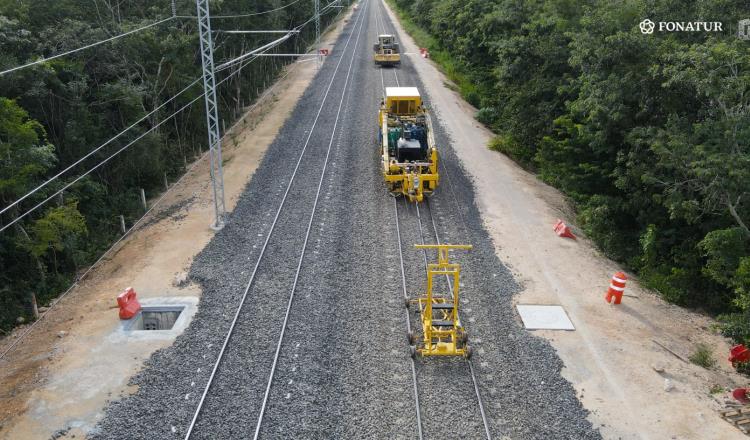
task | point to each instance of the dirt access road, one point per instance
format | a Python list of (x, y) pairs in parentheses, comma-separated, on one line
[(611, 358), (75, 361)]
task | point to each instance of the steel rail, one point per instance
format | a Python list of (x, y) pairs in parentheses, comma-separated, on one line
[(378, 24), (381, 24), (403, 280), (307, 232), (393, 28), (382, 79), (217, 363), (408, 321), (450, 287), (424, 253)]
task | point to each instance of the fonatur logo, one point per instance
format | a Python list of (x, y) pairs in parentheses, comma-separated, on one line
[(648, 27)]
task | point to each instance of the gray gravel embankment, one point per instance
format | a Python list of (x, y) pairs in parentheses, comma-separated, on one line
[(173, 379)]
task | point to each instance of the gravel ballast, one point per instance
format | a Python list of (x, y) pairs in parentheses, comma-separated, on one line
[(343, 370)]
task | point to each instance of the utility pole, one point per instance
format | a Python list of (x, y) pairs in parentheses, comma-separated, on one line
[(317, 31), (212, 116)]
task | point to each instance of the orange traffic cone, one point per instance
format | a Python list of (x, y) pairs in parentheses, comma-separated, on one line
[(562, 230), (616, 288)]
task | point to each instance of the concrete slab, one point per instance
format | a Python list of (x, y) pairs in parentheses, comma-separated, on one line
[(544, 317)]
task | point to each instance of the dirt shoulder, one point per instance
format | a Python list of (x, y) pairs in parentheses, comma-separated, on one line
[(76, 360), (613, 358)]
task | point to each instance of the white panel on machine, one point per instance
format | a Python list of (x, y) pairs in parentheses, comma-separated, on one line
[(411, 143)]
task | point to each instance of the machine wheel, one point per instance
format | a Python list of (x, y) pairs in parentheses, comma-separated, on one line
[(407, 302), (463, 338), (469, 352), (412, 337), (413, 351)]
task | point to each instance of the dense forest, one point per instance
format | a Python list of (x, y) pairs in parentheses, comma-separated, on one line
[(647, 134), (54, 113)]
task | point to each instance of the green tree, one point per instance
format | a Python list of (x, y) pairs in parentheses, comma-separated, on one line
[(25, 156)]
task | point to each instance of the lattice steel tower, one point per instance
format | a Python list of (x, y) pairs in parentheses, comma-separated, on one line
[(212, 116)]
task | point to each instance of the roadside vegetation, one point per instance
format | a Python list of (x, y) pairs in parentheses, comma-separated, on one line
[(54, 113), (648, 135), (703, 356)]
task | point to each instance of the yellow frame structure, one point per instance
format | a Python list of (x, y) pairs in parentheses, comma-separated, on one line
[(442, 332), (411, 179)]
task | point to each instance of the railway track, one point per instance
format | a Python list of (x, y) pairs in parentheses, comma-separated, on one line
[(307, 237), (380, 26), (381, 19), (358, 25), (468, 362)]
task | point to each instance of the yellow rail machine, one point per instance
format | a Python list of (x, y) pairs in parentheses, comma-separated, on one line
[(442, 333), (386, 51), (409, 155)]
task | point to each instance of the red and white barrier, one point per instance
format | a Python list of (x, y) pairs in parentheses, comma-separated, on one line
[(616, 288), (129, 305)]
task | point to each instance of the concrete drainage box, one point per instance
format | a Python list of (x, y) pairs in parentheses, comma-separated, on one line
[(160, 318), (155, 318)]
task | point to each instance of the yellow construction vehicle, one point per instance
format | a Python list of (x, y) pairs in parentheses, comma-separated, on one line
[(409, 155), (387, 51), (441, 331)]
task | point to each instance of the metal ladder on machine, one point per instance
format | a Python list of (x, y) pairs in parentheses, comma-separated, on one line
[(442, 332)]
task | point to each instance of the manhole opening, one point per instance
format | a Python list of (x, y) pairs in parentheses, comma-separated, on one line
[(156, 318)]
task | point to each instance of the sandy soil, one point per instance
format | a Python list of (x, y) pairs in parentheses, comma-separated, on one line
[(612, 358), (63, 374)]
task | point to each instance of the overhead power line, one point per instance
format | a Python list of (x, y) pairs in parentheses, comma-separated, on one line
[(88, 46), (77, 179), (95, 150), (242, 65), (252, 14), (256, 52), (128, 145), (261, 49), (252, 32), (126, 234), (322, 10), (142, 28), (243, 60)]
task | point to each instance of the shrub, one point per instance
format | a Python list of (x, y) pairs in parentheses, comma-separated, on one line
[(486, 115), (736, 326), (703, 356), (507, 145)]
